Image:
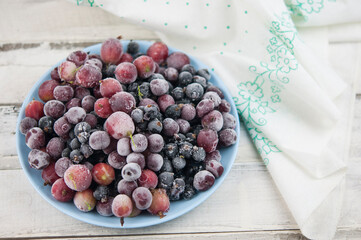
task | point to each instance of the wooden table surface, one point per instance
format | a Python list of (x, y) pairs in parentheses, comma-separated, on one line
[(35, 34)]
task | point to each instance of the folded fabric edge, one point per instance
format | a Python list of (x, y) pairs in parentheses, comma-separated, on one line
[(320, 166), (320, 225), (323, 75), (302, 193)]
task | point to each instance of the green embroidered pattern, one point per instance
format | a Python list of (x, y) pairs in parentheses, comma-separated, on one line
[(300, 9), (89, 3), (271, 77), (256, 135)]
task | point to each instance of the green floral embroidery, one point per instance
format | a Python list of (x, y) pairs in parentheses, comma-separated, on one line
[(281, 56), (300, 9), (310, 6), (250, 91), (275, 98), (271, 77), (286, 61), (273, 41), (264, 145), (275, 89), (90, 3)]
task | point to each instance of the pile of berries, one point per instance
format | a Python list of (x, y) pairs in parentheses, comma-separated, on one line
[(122, 135)]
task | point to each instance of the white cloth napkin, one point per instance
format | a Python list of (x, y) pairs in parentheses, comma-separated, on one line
[(293, 105)]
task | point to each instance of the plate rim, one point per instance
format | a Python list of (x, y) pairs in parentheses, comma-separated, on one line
[(78, 214)]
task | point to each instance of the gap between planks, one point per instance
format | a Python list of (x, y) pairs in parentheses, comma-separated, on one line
[(35, 22), (290, 234), (255, 199), (6, 47), (26, 65), (258, 234)]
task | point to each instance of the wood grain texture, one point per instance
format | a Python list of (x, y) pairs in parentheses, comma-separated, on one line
[(257, 235), (33, 21), (8, 119), (355, 144), (255, 205), (255, 200), (29, 64), (36, 34), (271, 235)]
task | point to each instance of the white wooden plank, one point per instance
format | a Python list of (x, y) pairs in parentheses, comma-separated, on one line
[(257, 201), (358, 71), (9, 163), (61, 21), (254, 205), (262, 235), (17, 82), (355, 144), (83, 23), (255, 235), (21, 68), (29, 64), (8, 120)]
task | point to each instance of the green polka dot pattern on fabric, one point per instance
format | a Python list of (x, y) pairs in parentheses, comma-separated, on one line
[(229, 5), (207, 4), (143, 20), (187, 3), (224, 44), (194, 47), (186, 26), (245, 12), (205, 27), (212, 69), (228, 27), (165, 24)]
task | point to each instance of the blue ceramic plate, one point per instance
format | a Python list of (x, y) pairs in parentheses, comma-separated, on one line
[(177, 208)]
